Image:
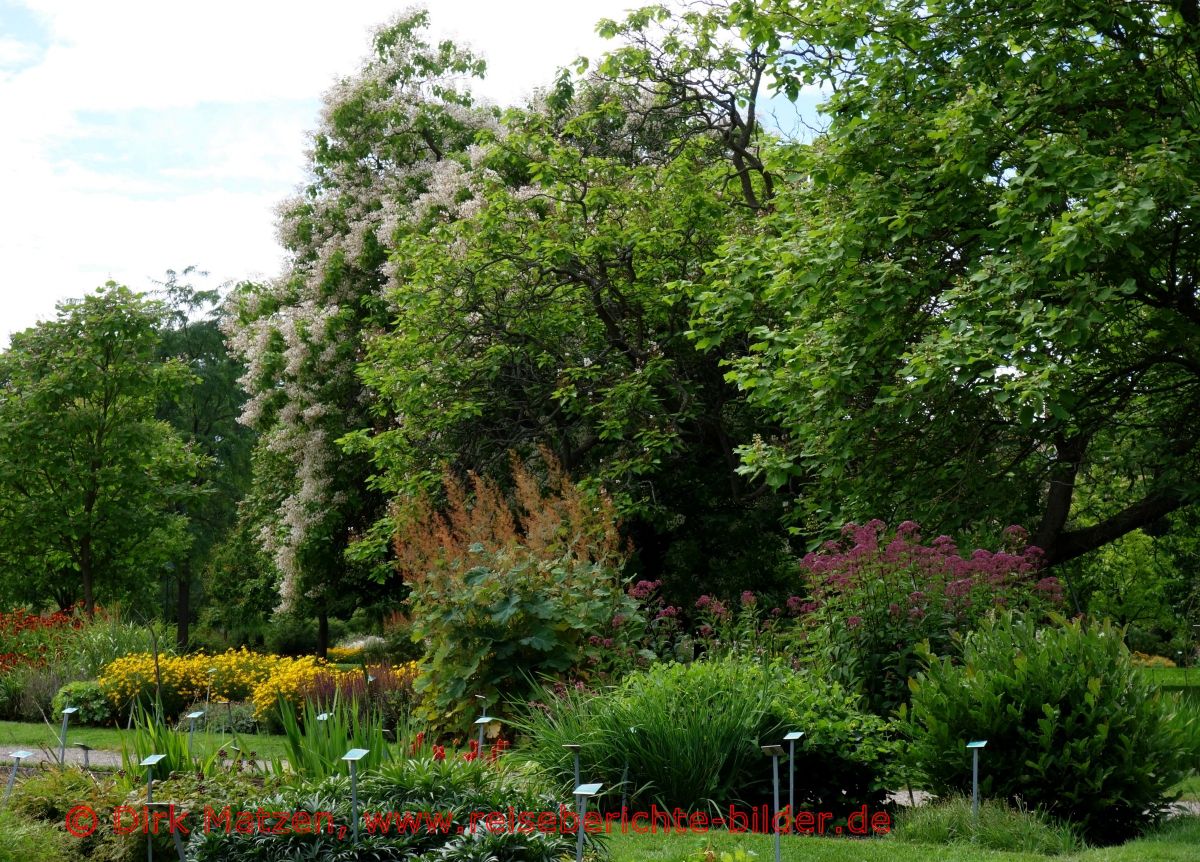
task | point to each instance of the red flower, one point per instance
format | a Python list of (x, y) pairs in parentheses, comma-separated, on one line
[(439, 752)]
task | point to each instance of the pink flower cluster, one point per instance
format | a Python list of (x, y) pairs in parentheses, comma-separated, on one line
[(937, 573)]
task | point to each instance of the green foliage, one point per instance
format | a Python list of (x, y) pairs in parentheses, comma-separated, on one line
[(106, 637), (31, 841), (878, 598), (500, 591), (998, 826), (46, 796), (982, 275), (86, 696), (292, 634), (27, 692), (90, 480), (151, 736), (205, 415), (315, 747), (452, 787), (1072, 727), (690, 735)]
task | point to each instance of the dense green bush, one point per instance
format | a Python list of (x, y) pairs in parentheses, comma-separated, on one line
[(1072, 727), (452, 786), (998, 826), (502, 590), (291, 635), (86, 696), (690, 735)]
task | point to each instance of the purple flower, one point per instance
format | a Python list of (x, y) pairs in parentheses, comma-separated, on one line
[(853, 622), (618, 621), (748, 599), (703, 602)]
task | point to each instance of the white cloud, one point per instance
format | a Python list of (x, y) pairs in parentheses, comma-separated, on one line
[(14, 52), (107, 169)]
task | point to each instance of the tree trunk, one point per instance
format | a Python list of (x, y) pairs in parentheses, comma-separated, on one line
[(322, 633), (183, 608), (85, 572)]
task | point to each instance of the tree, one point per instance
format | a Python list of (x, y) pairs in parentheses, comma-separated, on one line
[(90, 480), (205, 414), (979, 295), (554, 321), (382, 137)]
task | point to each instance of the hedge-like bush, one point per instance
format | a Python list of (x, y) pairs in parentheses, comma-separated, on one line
[(690, 735), (1071, 725), (453, 786)]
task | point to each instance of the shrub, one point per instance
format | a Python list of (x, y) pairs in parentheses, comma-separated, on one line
[(690, 735), (191, 792), (999, 826), (875, 598), (501, 592), (86, 696), (452, 786), (1071, 725), (234, 675), (291, 635)]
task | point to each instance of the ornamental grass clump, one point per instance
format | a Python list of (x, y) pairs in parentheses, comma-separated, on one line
[(1072, 727), (688, 735)]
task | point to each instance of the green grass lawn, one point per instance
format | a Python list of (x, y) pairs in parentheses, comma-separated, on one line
[(1178, 841), (1173, 677), (32, 735)]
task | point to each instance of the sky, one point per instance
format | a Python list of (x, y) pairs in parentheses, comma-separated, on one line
[(137, 137)]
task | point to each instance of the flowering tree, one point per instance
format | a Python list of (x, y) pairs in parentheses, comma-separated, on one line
[(875, 597), (383, 137)]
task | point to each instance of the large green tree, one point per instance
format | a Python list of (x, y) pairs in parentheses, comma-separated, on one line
[(536, 306), (978, 294), (90, 479), (206, 415)]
